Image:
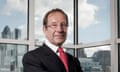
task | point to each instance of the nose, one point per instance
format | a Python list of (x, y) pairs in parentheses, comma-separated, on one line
[(59, 28)]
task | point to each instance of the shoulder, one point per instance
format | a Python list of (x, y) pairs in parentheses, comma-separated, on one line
[(32, 58), (33, 54), (74, 62), (72, 58), (36, 53)]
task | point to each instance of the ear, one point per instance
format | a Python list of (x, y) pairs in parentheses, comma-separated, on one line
[(44, 28)]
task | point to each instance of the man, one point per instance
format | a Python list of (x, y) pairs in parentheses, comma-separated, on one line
[(47, 58)]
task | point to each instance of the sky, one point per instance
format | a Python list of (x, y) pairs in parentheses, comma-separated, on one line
[(94, 23), (93, 18), (14, 14)]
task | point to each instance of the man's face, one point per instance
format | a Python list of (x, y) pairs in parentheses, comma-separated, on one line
[(56, 29)]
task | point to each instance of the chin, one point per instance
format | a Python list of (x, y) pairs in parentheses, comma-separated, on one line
[(60, 43)]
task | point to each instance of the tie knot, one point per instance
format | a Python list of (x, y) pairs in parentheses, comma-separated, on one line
[(60, 49)]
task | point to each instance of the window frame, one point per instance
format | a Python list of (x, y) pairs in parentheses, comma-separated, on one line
[(113, 41)]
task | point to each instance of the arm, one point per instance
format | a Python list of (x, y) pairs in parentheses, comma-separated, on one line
[(32, 64)]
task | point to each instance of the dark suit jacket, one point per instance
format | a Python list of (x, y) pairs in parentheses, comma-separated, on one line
[(43, 59)]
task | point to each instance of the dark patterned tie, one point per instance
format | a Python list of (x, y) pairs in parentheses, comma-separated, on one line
[(63, 58)]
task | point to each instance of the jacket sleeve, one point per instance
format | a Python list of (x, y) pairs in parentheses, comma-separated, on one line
[(32, 64)]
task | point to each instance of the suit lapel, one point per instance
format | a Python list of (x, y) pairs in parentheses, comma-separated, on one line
[(51, 60), (70, 64)]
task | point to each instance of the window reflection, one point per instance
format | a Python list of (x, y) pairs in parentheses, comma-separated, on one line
[(95, 59), (11, 57)]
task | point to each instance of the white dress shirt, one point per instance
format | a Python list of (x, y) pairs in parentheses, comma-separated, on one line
[(52, 47)]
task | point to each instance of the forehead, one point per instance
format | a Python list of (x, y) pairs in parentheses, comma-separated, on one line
[(56, 14)]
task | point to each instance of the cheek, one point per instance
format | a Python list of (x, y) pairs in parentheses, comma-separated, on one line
[(50, 34)]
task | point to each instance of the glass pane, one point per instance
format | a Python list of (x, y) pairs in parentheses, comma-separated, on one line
[(94, 20), (118, 18), (118, 57), (95, 59), (11, 57), (13, 19), (70, 51), (42, 6)]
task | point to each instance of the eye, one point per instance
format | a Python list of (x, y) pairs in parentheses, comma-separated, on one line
[(53, 25), (64, 25)]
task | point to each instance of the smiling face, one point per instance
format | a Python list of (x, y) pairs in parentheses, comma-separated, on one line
[(56, 28)]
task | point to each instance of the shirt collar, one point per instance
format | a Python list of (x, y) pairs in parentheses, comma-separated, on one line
[(51, 46)]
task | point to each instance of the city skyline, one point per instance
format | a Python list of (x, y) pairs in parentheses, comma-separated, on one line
[(93, 18), (7, 33)]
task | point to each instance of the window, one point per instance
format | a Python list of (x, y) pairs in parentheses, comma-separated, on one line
[(97, 59), (42, 6), (93, 20), (13, 34), (13, 19), (11, 57), (96, 40)]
